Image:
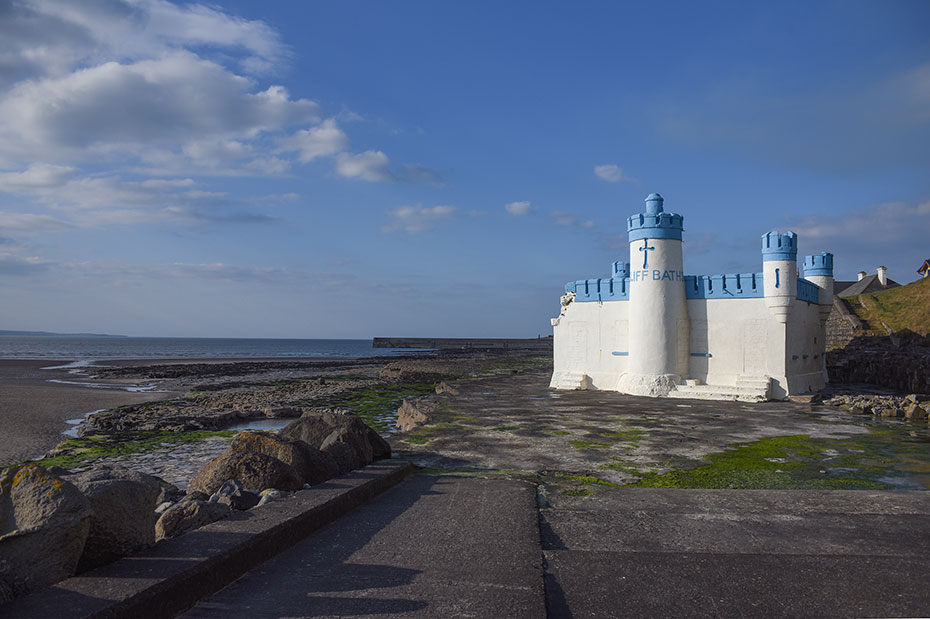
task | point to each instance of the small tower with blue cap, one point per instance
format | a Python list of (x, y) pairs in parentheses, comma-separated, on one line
[(658, 317), (780, 272), (818, 269)]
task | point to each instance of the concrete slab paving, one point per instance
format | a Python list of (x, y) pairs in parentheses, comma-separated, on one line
[(635, 552), (430, 547)]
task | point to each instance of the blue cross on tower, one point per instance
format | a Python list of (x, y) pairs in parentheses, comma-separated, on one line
[(646, 249)]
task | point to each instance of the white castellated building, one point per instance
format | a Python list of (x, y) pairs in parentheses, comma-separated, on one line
[(651, 330)]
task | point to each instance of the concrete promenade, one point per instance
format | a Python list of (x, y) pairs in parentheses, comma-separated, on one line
[(465, 547)]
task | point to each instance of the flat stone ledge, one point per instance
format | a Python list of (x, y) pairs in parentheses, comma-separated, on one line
[(174, 574)]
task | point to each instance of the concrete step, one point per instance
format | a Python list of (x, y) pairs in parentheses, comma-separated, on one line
[(762, 382), (570, 380), (720, 392)]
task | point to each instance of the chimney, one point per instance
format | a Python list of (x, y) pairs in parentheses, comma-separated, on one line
[(860, 274), (883, 276)]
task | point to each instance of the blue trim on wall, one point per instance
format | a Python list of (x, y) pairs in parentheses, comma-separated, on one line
[(620, 354), (701, 354), (808, 291), (728, 286), (723, 286), (652, 232), (608, 289)]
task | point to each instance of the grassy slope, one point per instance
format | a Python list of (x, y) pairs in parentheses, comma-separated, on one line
[(907, 307)]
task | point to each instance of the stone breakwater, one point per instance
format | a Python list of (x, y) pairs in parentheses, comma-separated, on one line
[(55, 522), (912, 407), (900, 361)]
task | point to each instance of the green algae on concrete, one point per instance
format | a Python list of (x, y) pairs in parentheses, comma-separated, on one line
[(377, 406), (77, 451), (587, 480), (780, 462)]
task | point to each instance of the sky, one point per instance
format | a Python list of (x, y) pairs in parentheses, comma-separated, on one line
[(356, 169)]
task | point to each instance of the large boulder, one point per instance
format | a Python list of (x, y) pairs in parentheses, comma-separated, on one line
[(313, 465), (44, 522), (380, 449), (189, 514), (123, 516), (415, 412), (315, 427), (343, 454), (255, 471)]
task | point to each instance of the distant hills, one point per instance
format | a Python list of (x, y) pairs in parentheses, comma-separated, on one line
[(51, 334)]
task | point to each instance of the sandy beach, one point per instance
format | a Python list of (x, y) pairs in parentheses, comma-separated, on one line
[(34, 412)]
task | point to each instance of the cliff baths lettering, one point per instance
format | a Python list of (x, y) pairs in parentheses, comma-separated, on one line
[(657, 275)]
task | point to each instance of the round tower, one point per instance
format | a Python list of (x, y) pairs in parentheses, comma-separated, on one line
[(819, 270), (780, 272), (659, 328)]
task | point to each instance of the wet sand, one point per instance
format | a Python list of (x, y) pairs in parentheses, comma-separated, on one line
[(34, 411)]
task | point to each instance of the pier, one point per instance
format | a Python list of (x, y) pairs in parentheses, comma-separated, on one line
[(448, 343)]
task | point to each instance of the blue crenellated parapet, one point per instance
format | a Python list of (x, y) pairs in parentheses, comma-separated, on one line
[(620, 270), (818, 266), (777, 246), (724, 286), (609, 289), (655, 223), (808, 291)]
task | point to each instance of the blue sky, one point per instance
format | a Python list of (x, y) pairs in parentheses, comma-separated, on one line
[(352, 169)]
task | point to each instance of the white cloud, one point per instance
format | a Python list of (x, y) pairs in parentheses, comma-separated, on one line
[(611, 173), (562, 218), (420, 175), (372, 165), (415, 219), (150, 88), (518, 209), (36, 176), (49, 38), (115, 108), (323, 140), (893, 234), (29, 223), (13, 263)]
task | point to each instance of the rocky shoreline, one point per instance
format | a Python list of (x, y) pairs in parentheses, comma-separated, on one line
[(186, 467), (144, 472)]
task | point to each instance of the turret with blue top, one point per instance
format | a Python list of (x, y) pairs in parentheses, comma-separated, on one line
[(818, 270), (658, 314), (655, 223), (818, 266), (780, 272)]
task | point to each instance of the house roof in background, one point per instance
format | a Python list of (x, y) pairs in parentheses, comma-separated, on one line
[(869, 283)]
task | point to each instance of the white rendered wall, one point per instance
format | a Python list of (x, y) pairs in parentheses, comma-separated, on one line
[(585, 340), (743, 337), (804, 358), (658, 318)]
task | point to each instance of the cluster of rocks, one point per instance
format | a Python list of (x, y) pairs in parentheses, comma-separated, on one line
[(415, 412), (214, 411), (204, 370), (55, 523), (913, 407)]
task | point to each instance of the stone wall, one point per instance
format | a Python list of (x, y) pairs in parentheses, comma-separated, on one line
[(900, 361), (842, 325)]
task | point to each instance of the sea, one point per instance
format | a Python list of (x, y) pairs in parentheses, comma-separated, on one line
[(99, 348)]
